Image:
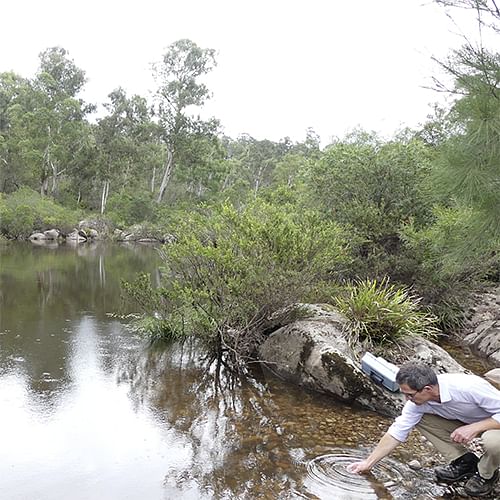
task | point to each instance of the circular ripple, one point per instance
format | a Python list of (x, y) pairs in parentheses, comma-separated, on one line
[(328, 475)]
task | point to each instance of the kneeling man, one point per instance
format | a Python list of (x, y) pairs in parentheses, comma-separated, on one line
[(450, 410)]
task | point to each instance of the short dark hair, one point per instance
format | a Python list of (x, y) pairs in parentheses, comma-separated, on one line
[(416, 376)]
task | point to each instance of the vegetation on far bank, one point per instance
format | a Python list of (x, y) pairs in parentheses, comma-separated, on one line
[(258, 225)]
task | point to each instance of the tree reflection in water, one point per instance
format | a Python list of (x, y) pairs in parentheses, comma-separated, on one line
[(247, 437), (232, 427)]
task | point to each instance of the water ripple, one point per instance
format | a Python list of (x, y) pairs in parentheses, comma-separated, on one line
[(328, 477)]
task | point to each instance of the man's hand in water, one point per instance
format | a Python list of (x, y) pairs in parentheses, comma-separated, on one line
[(359, 467)]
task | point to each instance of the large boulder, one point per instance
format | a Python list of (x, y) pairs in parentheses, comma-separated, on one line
[(483, 328), (95, 228), (77, 236), (38, 237), (52, 234), (313, 352)]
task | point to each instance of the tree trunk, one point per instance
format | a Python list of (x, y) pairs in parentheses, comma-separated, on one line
[(167, 173), (44, 188), (153, 179), (257, 179), (104, 196)]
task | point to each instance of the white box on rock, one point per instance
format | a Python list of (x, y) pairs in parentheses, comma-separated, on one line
[(380, 371)]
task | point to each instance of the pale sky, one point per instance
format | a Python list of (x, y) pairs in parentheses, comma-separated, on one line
[(283, 65)]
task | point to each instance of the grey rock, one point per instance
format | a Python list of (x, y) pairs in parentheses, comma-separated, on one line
[(313, 352), (38, 236), (76, 235), (52, 234), (414, 465), (482, 333)]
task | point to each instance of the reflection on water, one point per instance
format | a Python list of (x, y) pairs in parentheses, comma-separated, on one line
[(89, 411)]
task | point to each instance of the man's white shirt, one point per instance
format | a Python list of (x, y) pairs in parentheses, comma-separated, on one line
[(464, 397)]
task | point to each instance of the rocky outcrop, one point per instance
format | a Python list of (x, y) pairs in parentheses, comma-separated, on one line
[(483, 327), (77, 236), (54, 235), (95, 228), (313, 352), (49, 235)]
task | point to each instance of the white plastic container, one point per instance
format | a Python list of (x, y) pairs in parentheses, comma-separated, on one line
[(380, 371)]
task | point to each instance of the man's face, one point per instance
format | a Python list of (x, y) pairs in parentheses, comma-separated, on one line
[(417, 397)]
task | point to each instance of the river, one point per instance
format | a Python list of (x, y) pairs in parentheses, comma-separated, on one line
[(90, 411)]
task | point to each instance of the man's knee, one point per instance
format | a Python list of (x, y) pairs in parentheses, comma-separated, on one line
[(491, 441)]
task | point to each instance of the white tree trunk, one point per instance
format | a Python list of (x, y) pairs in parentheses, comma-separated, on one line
[(104, 196), (167, 173), (153, 179)]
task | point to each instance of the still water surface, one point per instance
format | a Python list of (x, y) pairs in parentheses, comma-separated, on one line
[(89, 411)]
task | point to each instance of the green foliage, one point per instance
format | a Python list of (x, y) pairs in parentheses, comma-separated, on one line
[(229, 270), (179, 89), (148, 298), (25, 211), (127, 208), (374, 189), (381, 313), (467, 173), (441, 273)]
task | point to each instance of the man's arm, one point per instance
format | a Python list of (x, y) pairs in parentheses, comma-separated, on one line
[(383, 448), (466, 433)]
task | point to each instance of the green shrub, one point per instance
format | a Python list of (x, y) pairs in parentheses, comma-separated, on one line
[(229, 270), (125, 208), (25, 211), (381, 313), (443, 274)]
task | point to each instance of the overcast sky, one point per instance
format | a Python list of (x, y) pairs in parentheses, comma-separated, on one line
[(283, 65)]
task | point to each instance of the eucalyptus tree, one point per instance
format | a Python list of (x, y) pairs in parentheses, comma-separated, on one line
[(253, 163), (180, 88), (49, 123), (128, 150), (14, 97)]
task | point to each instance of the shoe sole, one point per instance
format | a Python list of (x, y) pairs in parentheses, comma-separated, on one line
[(486, 494), (476, 495)]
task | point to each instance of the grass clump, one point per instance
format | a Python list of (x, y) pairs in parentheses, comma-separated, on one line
[(380, 313)]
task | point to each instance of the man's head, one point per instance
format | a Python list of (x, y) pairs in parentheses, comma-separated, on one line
[(418, 382)]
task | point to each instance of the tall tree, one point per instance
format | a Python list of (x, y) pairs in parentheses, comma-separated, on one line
[(14, 99), (49, 124), (179, 88), (468, 171), (127, 145)]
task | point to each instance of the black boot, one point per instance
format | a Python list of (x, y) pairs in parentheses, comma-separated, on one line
[(477, 486), (461, 468)]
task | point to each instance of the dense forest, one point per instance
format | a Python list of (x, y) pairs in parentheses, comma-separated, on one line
[(261, 224)]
